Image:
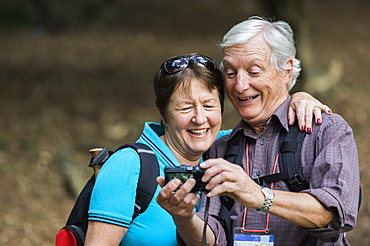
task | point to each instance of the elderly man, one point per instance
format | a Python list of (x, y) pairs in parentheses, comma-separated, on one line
[(260, 68)]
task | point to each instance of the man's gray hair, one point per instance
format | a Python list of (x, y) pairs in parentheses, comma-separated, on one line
[(278, 35)]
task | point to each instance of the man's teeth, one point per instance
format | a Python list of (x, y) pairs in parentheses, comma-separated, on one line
[(247, 98), (201, 131)]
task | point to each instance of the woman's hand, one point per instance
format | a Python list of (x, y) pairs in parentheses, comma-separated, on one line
[(177, 201), (304, 107)]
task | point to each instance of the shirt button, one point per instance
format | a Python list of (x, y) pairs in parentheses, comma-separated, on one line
[(262, 142)]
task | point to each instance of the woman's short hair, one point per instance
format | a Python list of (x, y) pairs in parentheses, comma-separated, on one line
[(166, 84), (278, 35)]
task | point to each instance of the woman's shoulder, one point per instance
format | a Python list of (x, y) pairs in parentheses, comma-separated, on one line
[(223, 133), (121, 162), (124, 154)]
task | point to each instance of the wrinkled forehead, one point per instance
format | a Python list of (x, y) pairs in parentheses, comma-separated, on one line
[(255, 48)]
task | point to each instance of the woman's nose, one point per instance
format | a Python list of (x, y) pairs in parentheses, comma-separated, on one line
[(199, 116)]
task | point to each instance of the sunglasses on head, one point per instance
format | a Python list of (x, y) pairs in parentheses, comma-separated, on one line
[(178, 63)]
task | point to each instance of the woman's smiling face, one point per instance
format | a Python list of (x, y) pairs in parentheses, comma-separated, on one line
[(193, 120)]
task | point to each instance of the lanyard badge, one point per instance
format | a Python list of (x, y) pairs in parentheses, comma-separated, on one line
[(243, 237)]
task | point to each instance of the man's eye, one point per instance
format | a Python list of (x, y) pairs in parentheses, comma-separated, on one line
[(230, 75), (252, 73), (255, 71)]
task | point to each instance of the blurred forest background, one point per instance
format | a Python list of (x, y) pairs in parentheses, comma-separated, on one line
[(78, 74)]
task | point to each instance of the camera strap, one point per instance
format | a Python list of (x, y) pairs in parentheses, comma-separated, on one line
[(204, 237)]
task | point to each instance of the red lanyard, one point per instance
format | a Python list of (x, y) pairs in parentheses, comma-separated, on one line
[(271, 187)]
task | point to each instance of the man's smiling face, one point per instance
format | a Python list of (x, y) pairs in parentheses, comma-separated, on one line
[(254, 86)]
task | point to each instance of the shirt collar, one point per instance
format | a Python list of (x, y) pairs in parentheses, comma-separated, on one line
[(279, 117)]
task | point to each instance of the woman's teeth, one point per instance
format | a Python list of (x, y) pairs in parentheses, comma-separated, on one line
[(198, 131)]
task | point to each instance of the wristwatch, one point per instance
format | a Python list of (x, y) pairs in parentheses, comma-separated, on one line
[(269, 198)]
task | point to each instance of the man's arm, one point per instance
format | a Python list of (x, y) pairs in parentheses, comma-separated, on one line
[(298, 208)]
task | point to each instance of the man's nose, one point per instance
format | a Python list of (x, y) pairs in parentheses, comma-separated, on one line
[(242, 82)]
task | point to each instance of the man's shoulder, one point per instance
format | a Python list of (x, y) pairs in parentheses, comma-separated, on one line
[(333, 121), (221, 141), (220, 146)]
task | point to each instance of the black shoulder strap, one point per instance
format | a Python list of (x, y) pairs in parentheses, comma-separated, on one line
[(77, 220), (290, 160), (235, 148), (147, 183)]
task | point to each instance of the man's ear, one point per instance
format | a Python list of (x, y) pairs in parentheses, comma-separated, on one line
[(288, 73)]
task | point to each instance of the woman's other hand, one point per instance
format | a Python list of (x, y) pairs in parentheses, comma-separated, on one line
[(304, 107)]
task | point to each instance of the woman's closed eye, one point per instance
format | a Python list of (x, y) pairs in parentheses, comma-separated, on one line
[(186, 109), (210, 106)]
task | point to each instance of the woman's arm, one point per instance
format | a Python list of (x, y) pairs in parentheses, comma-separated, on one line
[(104, 234), (107, 199)]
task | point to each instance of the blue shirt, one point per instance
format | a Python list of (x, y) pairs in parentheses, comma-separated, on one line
[(113, 196)]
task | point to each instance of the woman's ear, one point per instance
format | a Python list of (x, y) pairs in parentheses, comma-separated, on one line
[(163, 122)]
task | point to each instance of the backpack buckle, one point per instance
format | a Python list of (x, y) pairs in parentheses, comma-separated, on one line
[(257, 180), (297, 180)]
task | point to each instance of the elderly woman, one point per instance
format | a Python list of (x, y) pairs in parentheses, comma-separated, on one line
[(189, 94)]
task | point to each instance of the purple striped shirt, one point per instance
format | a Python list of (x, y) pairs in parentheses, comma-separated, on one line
[(330, 165)]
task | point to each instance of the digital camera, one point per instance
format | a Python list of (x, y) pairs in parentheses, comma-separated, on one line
[(183, 173)]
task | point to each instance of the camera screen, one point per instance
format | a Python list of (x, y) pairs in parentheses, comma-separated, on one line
[(183, 177)]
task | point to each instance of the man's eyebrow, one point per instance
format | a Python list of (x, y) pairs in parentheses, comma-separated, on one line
[(226, 62)]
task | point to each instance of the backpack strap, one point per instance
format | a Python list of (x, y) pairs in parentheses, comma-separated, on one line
[(149, 171), (77, 221), (225, 220), (290, 160), (235, 149)]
